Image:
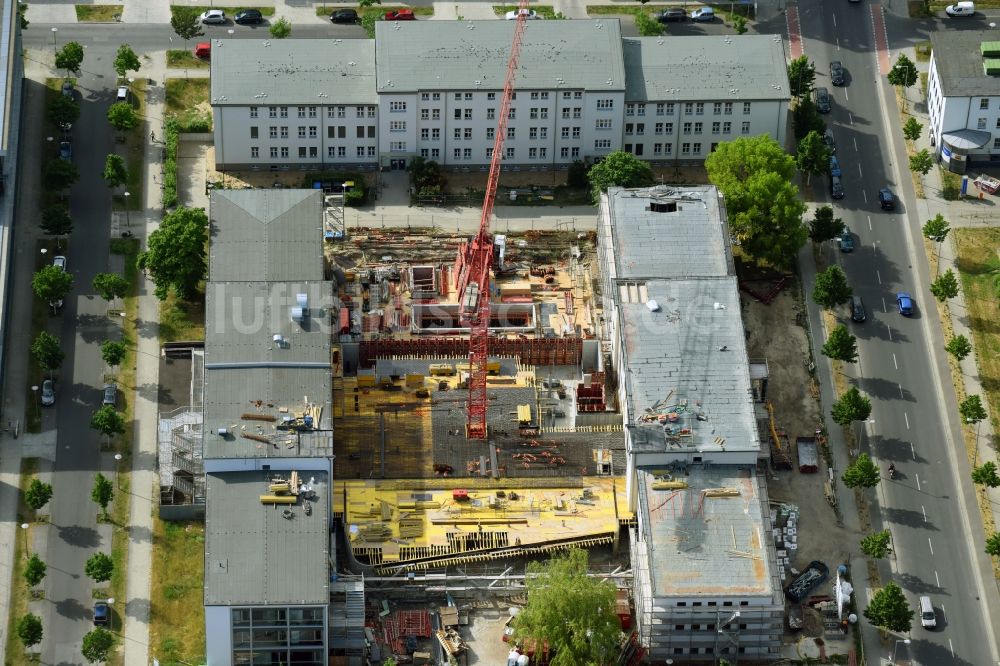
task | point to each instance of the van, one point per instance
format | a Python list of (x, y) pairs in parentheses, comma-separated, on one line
[(927, 618), (964, 8)]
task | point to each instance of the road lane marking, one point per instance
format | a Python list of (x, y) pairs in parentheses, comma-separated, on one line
[(864, 193), (905, 417), (901, 397), (850, 117), (930, 545), (878, 276), (952, 648), (917, 477), (913, 451), (862, 175), (889, 330), (896, 365), (834, 20), (938, 581), (924, 511), (855, 144), (869, 223)]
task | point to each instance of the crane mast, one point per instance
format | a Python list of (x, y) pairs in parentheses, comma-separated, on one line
[(476, 257)]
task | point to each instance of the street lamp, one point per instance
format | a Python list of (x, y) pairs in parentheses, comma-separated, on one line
[(905, 641), (34, 392), (27, 546), (54, 31), (128, 220), (118, 459)]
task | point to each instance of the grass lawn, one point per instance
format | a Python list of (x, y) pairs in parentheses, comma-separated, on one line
[(182, 320), (618, 10), (177, 620), (187, 100), (98, 13), (184, 59), (542, 10), (939, 5), (380, 10), (18, 587)]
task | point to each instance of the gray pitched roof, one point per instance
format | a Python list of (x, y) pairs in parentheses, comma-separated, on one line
[(466, 55), (293, 71), (265, 234), (705, 67), (959, 63), (255, 555)]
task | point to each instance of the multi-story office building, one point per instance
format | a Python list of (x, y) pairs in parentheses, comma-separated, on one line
[(433, 89), (963, 98)]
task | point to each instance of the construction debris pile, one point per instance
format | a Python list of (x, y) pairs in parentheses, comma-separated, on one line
[(785, 518)]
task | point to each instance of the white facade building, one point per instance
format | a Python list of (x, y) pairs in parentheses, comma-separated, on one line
[(581, 93), (963, 98)]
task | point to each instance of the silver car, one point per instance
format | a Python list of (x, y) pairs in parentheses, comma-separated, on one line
[(110, 394), (48, 393), (216, 16)]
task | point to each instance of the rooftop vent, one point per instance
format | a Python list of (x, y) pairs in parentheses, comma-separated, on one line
[(663, 207)]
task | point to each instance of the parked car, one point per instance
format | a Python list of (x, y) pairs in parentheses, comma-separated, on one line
[(102, 614), (67, 89), (213, 16), (846, 240), (886, 199), (834, 166), (836, 187), (203, 50), (821, 97), (858, 313), (905, 303), (48, 393), (123, 94), (703, 15), (66, 151), (400, 15), (249, 17), (671, 15), (529, 14), (59, 261), (837, 73), (110, 394), (344, 16), (831, 141), (960, 9)]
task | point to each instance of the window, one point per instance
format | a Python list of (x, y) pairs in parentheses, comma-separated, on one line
[(254, 152), (728, 106), (253, 111), (302, 152), (312, 111), (576, 132), (564, 133), (984, 103), (360, 152), (685, 149), (397, 125), (657, 149), (301, 111), (566, 95), (253, 132), (638, 149), (998, 123), (512, 114), (491, 114), (687, 128), (532, 133), (564, 152), (670, 109), (272, 132), (425, 134), (696, 148), (341, 111), (533, 111), (511, 131), (283, 111), (458, 114), (342, 132), (543, 113), (727, 127), (543, 153), (745, 128), (371, 151), (341, 151), (543, 132), (630, 109), (458, 97), (359, 131), (302, 131), (565, 113), (532, 153), (629, 129), (688, 108), (602, 144), (274, 151), (574, 152), (544, 95), (330, 112), (284, 151), (746, 108), (981, 124), (436, 97), (577, 111), (717, 108), (640, 129), (604, 104), (457, 133), (312, 131), (435, 153), (577, 94), (658, 128), (699, 109), (660, 108), (424, 97), (397, 106), (272, 112), (490, 96), (996, 144), (284, 132), (468, 97), (424, 152), (359, 112), (435, 114), (467, 153), (534, 95), (489, 153), (627, 147), (697, 128), (371, 131), (467, 133), (425, 114), (510, 153), (397, 146), (491, 133), (468, 114)]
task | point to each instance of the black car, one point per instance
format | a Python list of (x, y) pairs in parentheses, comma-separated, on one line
[(836, 187), (837, 73), (671, 15), (858, 313), (831, 142), (344, 16), (249, 17), (886, 199), (846, 239), (821, 97)]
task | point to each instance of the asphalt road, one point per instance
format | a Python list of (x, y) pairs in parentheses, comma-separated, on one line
[(921, 506)]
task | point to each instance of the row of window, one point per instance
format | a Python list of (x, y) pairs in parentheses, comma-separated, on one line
[(718, 127), (282, 152), (690, 108), (565, 153), (276, 616), (311, 132), (708, 650), (399, 106), (666, 149), (313, 111), (981, 124), (467, 96)]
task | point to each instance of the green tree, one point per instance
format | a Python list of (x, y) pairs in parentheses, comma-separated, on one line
[(59, 175), (570, 612), (850, 407), (972, 409), (647, 25), (108, 421), (37, 494), (34, 571), (29, 630), (986, 475), (102, 494), (113, 352), (831, 288), (62, 111), (122, 116), (46, 352), (959, 347), (889, 611), (877, 544), (51, 283), (740, 24), (813, 155), (765, 213), (921, 162), (862, 473), (126, 60), (805, 119), (620, 169), (175, 254), (110, 285), (99, 567), (70, 57), (56, 220), (97, 644), (824, 225), (369, 3), (912, 129), (841, 345), (186, 23), (801, 76), (945, 286), (936, 229), (903, 73), (115, 173), (281, 28), (993, 545)]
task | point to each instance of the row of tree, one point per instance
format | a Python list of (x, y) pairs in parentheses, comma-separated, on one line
[(186, 22)]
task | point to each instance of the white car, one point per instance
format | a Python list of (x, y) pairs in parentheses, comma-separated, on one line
[(529, 14), (214, 16), (59, 262)]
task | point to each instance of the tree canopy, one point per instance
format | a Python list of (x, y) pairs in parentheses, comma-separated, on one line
[(99, 567), (888, 609), (921, 162), (569, 611), (831, 288), (805, 119), (56, 220), (936, 229), (813, 155), (186, 22), (972, 409), (945, 286), (115, 173), (851, 406), (70, 57), (46, 352), (97, 644), (903, 72), (126, 60), (108, 421), (102, 493), (862, 473), (29, 630), (620, 169), (113, 352), (824, 226), (62, 110), (841, 345), (912, 129), (37, 494), (986, 475), (122, 116), (51, 283), (765, 214), (175, 255), (34, 570), (801, 76), (877, 544), (281, 28), (959, 347), (993, 545), (110, 285), (59, 175)]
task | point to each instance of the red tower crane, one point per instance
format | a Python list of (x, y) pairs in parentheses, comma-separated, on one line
[(476, 257)]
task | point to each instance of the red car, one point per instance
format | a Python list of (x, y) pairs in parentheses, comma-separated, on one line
[(203, 50), (400, 15)]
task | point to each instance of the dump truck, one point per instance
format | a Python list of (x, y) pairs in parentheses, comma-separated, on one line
[(808, 455)]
